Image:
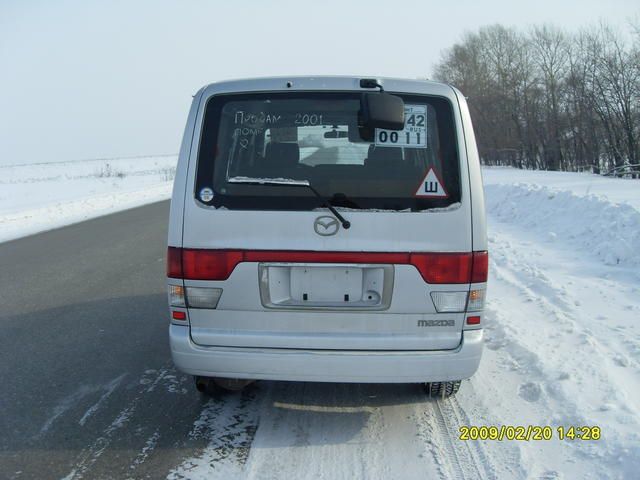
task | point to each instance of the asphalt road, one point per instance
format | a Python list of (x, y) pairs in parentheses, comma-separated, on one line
[(89, 390), (83, 344)]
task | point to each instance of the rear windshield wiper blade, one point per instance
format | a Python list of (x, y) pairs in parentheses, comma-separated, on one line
[(341, 200), (292, 183)]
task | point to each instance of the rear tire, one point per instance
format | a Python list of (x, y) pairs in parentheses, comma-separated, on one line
[(442, 389)]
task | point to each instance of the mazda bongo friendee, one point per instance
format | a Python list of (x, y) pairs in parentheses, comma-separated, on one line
[(328, 229)]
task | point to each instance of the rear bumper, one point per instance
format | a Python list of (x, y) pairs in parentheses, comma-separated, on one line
[(327, 365)]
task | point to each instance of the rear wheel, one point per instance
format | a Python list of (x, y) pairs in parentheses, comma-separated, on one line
[(442, 389)]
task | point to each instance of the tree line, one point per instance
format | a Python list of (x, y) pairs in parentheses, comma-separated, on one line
[(551, 100)]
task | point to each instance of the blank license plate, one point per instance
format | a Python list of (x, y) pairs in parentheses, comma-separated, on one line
[(326, 284)]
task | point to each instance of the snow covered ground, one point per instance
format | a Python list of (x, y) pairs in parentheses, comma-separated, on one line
[(563, 340), (42, 196), (562, 343)]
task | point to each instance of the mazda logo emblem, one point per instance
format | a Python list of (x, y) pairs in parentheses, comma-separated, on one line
[(326, 226)]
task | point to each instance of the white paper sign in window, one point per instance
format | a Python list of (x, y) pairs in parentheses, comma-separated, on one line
[(414, 133)]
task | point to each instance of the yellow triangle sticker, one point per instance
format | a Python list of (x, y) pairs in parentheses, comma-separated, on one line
[(431, 186)]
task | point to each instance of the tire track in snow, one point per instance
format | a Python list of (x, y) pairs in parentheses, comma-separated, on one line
[(148, 448), (477, 453), (91, 455), (110, 387), (337, 431), (65, 405), (553, 300), (439, 428), (228, 422), (553, 351)]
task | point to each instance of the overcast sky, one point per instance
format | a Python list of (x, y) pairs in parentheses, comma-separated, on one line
[(104, 79)]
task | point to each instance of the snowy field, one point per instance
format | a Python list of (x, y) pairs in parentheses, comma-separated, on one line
[(42, 196), (562, 343)]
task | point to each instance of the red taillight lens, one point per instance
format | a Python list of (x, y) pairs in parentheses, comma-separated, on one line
[(480, 269), (201, 264), (178, 315), (174, 262), (443, 267), (302, 256), (473, 320), (210, 264)]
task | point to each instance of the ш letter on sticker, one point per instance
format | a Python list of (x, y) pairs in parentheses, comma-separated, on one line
[(431, 186)]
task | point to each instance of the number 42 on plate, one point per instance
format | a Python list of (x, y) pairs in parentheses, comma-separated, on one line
[(414, 133)]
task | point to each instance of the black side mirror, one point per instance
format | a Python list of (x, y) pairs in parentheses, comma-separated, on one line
[(381, 110)]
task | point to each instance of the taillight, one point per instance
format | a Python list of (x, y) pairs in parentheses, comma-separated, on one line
[(174, 262), (302, 256), (203, 264), (480, 268), (209, 264), (443, 267)]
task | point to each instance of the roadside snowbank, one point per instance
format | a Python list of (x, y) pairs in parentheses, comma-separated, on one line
[(562, 338), (560, 207), (39, 197), (615, 190)]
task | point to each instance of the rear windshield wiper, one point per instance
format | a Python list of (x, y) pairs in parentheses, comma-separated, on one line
[(279, 182), (341, 200)]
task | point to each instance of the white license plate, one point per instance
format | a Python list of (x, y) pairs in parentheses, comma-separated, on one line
[(326, 284)]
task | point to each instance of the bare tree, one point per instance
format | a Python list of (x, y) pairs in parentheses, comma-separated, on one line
[(547, 99), (551, 57)]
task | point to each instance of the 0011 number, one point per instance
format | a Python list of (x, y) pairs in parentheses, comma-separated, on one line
[(414, 133)]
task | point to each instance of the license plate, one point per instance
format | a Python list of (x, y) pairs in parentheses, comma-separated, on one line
[(326, 284)]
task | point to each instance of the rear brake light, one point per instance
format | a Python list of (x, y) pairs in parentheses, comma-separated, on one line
[(480, 268), (203, 264), (174, 262), (443, 267), (301, 256), (177, 315), (210, 264)]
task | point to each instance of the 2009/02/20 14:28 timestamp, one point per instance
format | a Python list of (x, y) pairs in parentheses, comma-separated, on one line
[(529, 432)]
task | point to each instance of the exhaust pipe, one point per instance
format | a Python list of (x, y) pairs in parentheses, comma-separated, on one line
[(202, 384), (232, 384), (210, 384)]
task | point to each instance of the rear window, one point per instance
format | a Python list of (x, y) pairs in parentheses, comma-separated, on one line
[(315, 137)]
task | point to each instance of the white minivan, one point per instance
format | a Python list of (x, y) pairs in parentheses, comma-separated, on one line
[(328, 229)]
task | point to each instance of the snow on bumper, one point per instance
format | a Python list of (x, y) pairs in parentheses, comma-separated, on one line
[(325, 365)]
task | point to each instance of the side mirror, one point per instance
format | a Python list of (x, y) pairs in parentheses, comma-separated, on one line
[(381, 110)]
